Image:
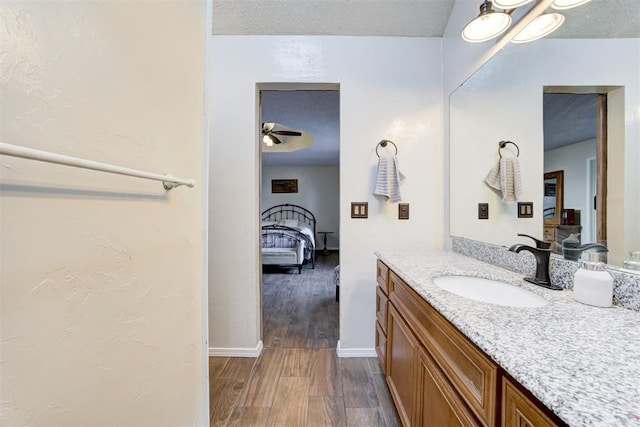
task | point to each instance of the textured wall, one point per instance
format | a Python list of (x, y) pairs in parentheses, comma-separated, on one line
[(390, 87), (101, 275)]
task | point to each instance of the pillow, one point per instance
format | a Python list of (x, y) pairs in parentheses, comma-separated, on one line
[(289, 222)]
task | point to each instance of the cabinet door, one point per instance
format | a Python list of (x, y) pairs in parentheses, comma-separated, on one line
[(381, 348), (402, 354), (438, 404), (382, 276), (382, 302), (518, 410)]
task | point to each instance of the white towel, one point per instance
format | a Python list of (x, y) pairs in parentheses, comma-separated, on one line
[(505, 176), (389, 179)]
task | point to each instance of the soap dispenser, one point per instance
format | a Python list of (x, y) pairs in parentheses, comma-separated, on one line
[(592, 284)]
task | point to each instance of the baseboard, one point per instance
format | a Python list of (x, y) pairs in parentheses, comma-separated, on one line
[(236, 352), (355, 352)]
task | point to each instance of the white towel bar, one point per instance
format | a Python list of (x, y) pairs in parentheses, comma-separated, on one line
[(168, 181)]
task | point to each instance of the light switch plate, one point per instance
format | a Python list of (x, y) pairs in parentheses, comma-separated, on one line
[(359, 210), (403, 210), (483, 210), (525, 209)]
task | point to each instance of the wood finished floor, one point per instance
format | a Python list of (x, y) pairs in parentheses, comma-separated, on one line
[(298, 380)]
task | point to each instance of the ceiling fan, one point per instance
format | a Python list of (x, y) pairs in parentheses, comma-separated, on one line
[(269, 134)]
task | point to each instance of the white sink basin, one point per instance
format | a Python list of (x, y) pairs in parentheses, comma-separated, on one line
[(490, 291)]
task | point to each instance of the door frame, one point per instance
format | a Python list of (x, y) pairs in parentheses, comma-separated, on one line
[(283, 87)]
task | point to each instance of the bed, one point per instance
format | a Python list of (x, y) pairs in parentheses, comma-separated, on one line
[(288, 236)]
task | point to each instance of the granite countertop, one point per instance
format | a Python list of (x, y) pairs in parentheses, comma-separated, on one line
[(582, 362)]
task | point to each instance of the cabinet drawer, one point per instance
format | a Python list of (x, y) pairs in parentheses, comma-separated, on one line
[(519, 410), (381, 348), (382, 276), (438, 403), (472, 373), (549, 234), (382, 302)]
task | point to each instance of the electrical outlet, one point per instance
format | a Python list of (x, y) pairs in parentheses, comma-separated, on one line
[(403, 210), (359, 210), (525, 209), (483, 210)]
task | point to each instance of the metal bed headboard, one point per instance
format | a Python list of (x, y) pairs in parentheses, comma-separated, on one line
[(287, 211), (300, 214)]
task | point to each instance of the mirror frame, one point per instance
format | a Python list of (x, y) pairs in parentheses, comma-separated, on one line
[(559, 177)]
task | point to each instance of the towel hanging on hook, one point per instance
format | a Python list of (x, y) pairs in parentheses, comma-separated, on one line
[(505, 175), (383, 144), (503, 144), (389, 177)]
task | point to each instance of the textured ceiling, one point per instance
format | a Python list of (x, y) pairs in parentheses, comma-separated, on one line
[(568, 118), (418, 18), (313, 111), (601, 19), (411, 18)]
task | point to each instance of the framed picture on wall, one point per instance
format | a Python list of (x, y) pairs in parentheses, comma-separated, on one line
[(284, 185)]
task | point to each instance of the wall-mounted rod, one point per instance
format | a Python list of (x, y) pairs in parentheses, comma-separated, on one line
[(168, 181)]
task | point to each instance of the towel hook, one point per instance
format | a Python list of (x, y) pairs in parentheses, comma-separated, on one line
[(503, 144), (383, 144)]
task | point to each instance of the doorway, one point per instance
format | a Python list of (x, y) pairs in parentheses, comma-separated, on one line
[(300, 172), (578, 140)]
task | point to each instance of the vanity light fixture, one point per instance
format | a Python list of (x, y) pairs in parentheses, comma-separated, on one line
[(567, 4), (511, 4), (487, 25), (491, 23), (543, 25)]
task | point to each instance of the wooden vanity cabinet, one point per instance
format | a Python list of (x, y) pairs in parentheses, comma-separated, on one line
[(382, 303), (438, 404), (519, 409), (437, 377), (402, 358)]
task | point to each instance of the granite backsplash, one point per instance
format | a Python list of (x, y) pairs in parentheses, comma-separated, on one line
[(626, 286)]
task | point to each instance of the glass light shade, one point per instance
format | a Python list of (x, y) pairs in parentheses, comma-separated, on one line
[(512, 4), (267, 140), (487, 25), (542, 26), (567, 4)]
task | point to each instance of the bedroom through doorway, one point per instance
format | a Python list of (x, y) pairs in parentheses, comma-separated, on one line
[(299, 141)]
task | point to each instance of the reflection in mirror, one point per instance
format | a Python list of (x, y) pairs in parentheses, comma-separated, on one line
[(552, 199), (575, 140), (504, 101)]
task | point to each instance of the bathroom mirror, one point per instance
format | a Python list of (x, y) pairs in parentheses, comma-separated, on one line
[(503, 100), (552, 197)]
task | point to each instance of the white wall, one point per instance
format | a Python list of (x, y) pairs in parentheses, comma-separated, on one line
[(389, 88), (572, 159), (460, 60), (504, 101), (318, 191), (101, 275)]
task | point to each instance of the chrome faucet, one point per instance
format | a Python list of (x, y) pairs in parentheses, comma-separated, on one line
[(542, 252)]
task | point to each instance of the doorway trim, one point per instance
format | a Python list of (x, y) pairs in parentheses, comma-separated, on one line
[(282, 87), (609, 116)]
